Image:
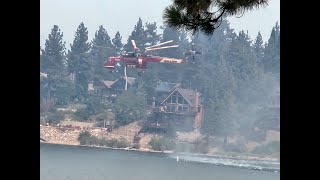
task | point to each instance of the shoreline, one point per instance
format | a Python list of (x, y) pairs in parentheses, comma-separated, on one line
[(112, 148), (221, 156)]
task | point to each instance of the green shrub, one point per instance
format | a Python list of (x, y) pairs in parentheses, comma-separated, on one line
[(85, 138), (92, 140), (82, 114), (122, 143), (84, 134), (161, 144), (111, 142), (102, 142), (55, 118)]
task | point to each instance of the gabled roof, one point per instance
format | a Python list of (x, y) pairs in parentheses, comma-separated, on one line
[(131, 80), (167, 87), (108, 83), (188, 94), (119, 84)]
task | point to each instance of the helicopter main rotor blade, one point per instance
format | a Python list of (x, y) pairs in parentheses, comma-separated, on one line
[(165, 47), (134, 44), (159, 44)]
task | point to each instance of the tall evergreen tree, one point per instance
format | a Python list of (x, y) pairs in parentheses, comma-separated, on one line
[(117, 42), (138, 36), (53, 62), (150, 34), (101, 50), (271, 58), (259, 49), (79, 62), (242, 59), (167, 71), (219, 106)]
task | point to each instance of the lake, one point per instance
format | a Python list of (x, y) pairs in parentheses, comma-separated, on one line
[(61, 162)]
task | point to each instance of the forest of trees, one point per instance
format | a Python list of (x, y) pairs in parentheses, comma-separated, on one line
[(235, 75)]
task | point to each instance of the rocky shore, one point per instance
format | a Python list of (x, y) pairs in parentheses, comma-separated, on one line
[(69, 136)]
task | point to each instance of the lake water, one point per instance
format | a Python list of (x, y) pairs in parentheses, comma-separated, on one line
[(60, 162)]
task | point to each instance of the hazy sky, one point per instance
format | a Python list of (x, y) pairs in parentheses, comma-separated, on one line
[(122, 15)]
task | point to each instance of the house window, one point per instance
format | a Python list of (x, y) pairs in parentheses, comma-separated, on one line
[(172, 109), (184, 101), (179, 108), (174, 99), (180, 100), (185, 109)]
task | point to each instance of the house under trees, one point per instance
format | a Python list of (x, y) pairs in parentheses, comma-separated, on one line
[(175, 106), (172, 106)]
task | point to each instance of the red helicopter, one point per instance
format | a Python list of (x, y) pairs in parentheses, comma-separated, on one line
[(139, 60)]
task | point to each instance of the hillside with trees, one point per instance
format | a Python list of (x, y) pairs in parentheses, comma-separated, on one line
[(237, 76)]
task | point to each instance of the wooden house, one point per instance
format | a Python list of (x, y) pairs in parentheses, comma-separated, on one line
[(176, 105)]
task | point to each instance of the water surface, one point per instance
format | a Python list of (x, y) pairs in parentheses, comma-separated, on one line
[(60, 162)]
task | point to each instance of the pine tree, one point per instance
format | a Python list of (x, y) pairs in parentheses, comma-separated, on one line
[(54, 52), (271, 60), (101, 50), (219, 106), (167, 71), (202, 15), (138, 36), (79, 62), (242, 59), (101, 43), (53, 62), (170, 34), (259, 49), (150, 34), (117, 42)]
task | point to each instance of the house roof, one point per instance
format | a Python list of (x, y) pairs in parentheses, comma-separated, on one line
[(108, 83), (188, 94), (119, 84), (166, 87)]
